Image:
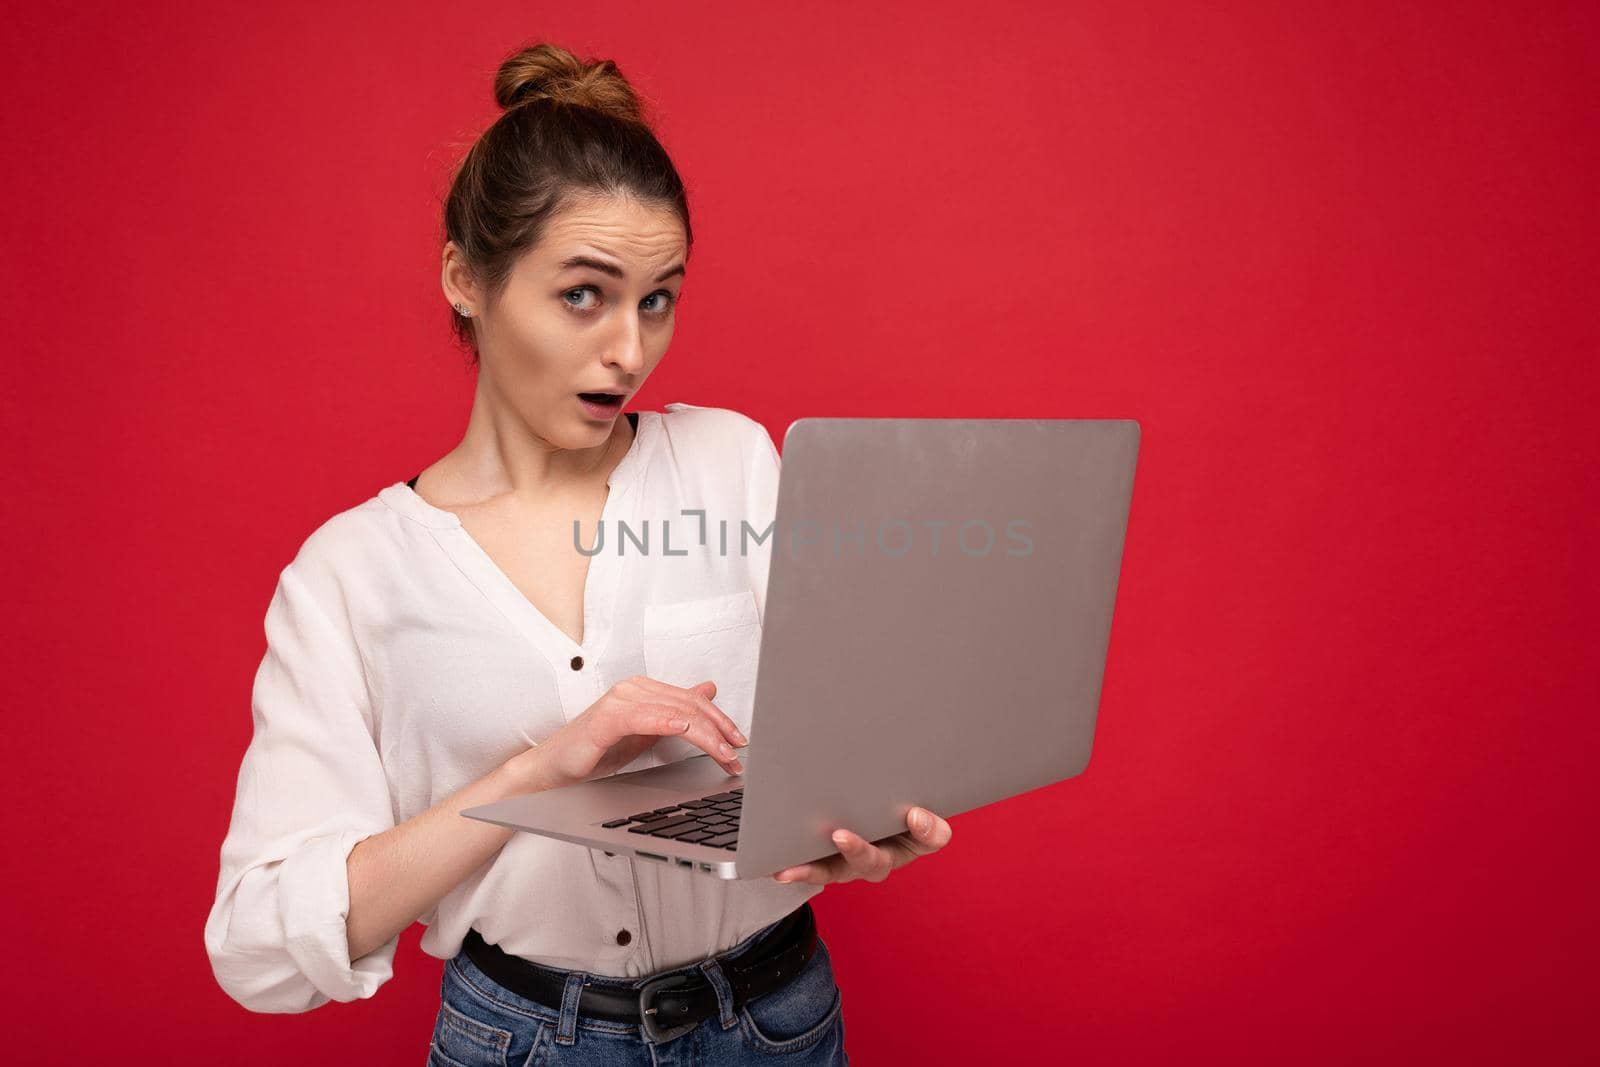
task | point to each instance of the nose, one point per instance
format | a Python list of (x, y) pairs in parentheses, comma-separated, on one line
[(626, 349)]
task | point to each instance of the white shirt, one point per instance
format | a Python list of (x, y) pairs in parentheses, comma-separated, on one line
[(403, 664)]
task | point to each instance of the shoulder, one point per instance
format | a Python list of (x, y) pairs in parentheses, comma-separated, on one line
[(717, 425), (716, 435), (720, 452), (344, 547)]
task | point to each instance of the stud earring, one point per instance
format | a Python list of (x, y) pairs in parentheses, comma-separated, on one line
[(462, 310)]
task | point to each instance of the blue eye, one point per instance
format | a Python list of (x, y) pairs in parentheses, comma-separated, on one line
[(662, 310)]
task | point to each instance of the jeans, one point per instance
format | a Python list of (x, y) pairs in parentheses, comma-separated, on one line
[(482, 1024)]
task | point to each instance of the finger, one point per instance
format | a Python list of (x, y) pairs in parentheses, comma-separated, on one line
[(617, 723), (702, 695), (865, 859), (689, 724), (927, 829), (693, 698), (698, 696), (822, 872), (677, 693)]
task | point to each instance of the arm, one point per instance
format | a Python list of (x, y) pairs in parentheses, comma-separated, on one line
[(317, 881), (400, 875), (310, 787)]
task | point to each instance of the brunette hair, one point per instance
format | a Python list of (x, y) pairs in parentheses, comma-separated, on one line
[(567, 128)]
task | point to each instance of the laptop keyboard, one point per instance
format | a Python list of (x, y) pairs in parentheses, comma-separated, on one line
[(712, 821)]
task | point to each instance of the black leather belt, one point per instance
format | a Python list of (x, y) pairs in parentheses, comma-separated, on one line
[(670, 1004)]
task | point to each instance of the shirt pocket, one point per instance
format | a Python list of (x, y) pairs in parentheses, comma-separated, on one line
[(714, 638)]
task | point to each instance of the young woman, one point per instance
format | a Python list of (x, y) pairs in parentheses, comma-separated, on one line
[(447, 643)]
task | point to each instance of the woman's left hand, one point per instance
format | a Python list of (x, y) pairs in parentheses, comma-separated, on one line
[(860, 858)]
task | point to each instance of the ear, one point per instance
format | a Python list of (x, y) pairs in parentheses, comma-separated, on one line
[(457, 281)]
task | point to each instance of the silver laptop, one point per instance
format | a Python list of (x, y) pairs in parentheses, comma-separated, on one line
[(938, 611)]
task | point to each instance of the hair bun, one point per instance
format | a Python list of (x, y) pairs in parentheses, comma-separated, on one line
[(551, 72)]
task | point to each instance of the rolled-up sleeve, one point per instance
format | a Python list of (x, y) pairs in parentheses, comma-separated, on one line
[(311, 785)]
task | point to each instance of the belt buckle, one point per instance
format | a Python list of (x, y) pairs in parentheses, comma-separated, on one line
[(647, 1013)]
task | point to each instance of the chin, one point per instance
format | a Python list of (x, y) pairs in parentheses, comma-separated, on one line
[(579, 432)]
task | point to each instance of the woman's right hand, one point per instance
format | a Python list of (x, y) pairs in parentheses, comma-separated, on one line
[(630, 717)]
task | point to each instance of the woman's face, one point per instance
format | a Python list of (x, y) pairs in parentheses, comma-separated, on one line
[(589, 309)]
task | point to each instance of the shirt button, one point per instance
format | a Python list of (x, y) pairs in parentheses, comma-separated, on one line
[(577, 663), (623, 937)]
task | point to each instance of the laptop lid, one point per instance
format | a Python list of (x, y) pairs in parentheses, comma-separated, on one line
[(939, 608)]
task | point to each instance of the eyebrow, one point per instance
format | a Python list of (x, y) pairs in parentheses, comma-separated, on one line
[(611, 268)]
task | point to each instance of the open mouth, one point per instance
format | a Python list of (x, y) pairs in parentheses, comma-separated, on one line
[(602, 407)]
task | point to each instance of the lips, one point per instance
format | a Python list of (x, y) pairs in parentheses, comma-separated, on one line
[(602, 407)]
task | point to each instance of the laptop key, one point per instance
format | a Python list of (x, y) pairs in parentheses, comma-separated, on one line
[(675, 832), (614, 823), (722, 839), (697, 837), (671, 822)]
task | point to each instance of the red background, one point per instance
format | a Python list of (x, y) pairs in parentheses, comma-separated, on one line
[(1334, 258)]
